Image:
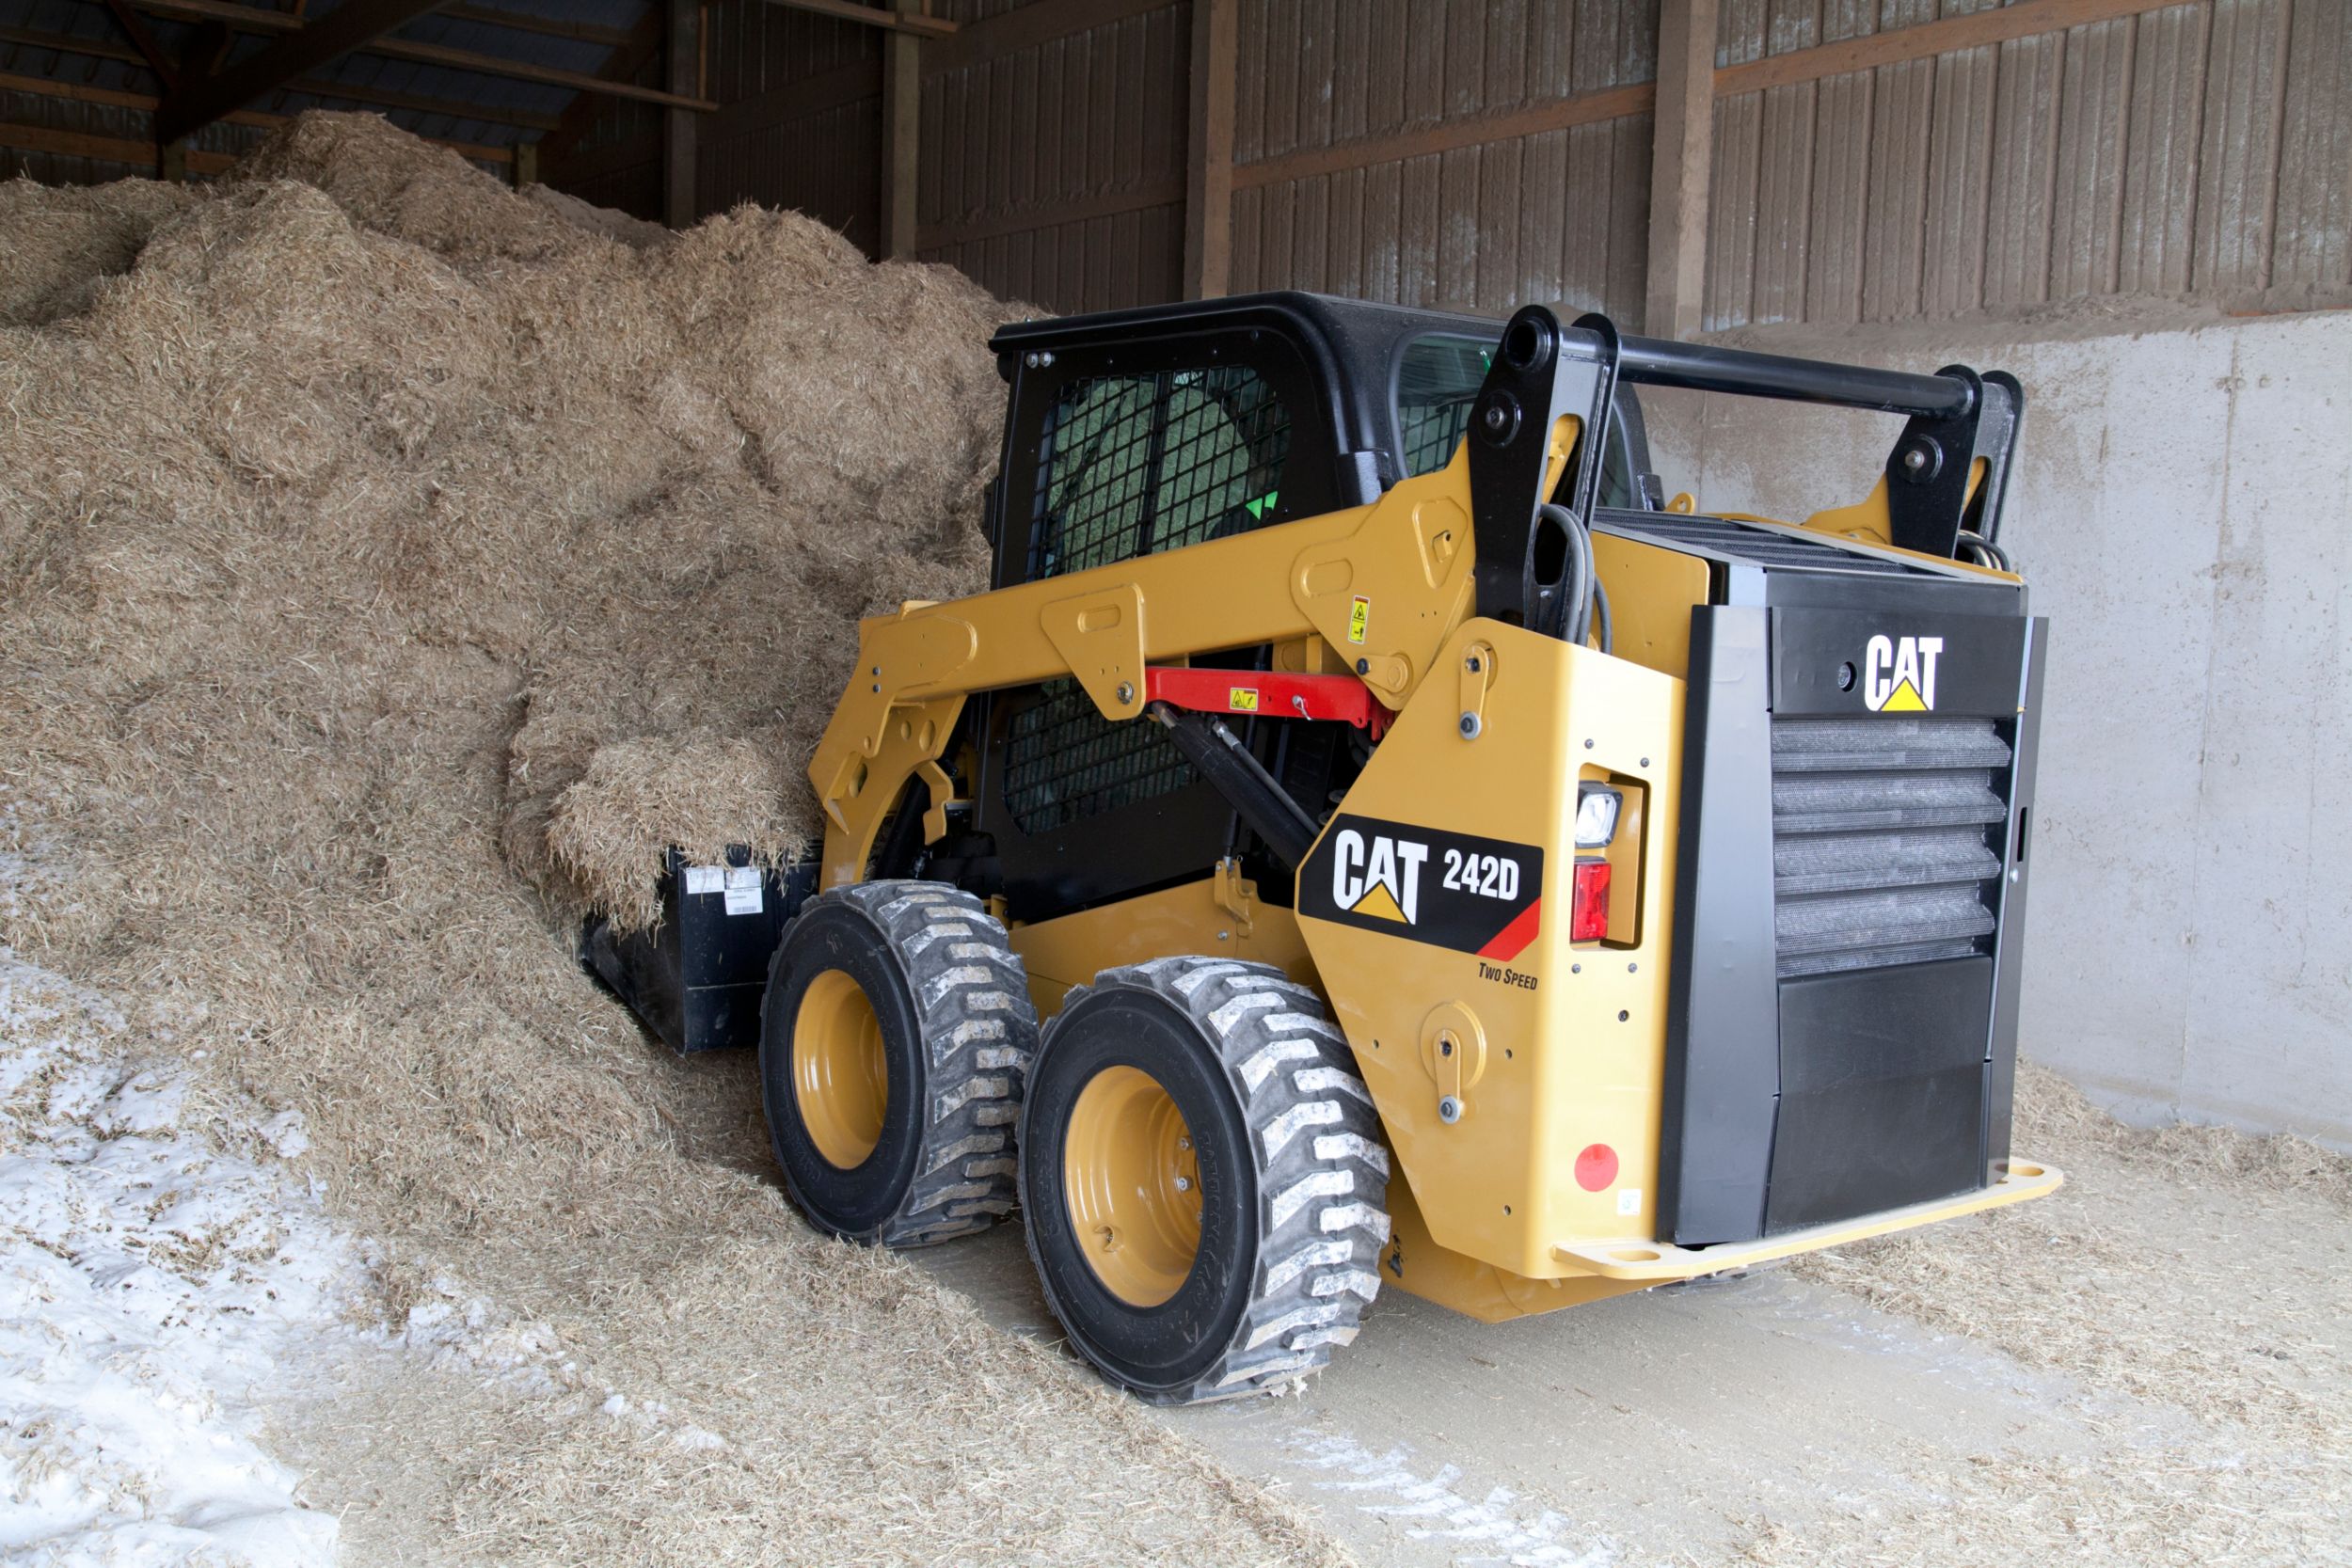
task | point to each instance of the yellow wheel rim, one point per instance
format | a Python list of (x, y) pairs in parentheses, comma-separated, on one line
[(840, 1079), (1132, 1185)]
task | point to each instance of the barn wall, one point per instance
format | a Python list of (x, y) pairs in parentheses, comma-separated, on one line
[(2193, 151), (1874, 160)]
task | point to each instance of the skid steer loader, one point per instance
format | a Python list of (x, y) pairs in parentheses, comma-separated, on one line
[(1368, 837)]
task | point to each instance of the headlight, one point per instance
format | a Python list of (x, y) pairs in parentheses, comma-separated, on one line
[(1597, 816)]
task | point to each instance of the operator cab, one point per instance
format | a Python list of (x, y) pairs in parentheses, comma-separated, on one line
[(1133, 432)]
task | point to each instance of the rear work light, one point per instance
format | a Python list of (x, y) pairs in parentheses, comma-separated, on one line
[(1588, 908), (1596, 808)]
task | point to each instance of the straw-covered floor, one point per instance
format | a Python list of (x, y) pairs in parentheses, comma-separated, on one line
[(389, 566)]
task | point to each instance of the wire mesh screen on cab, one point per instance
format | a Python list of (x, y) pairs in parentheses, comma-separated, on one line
[(1129, 466), (1132, 464)]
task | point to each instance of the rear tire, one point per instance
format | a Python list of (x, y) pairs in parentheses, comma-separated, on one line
[(895, 1035), (1203, 1179)]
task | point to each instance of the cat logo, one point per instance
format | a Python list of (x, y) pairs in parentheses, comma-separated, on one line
[(1418, 883), (1898, 674), (1380, 878)]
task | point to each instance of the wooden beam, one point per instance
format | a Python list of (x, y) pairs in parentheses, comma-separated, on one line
[(316, 86), (2022, 20), (97, 49), (1589, 108), (1681, 154), (546, 27), (251, 19), (522, 71), (526, 164), (116, 98), (682, 62), (199, 101), (246, 19), (40, 138), (497, 114), (1209, 149), (902, 135), (151, 53), (75, 92), (898, 20), (113, 150), (1027, 27)]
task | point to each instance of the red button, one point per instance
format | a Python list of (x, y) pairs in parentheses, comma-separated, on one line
[(1596, 1167)]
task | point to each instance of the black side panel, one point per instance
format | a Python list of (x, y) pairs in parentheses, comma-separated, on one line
[(696, 978), (1881, 1092), (1722, 1068), (2008, 941)]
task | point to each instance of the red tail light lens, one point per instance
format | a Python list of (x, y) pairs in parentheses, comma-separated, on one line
[(1588, 912)]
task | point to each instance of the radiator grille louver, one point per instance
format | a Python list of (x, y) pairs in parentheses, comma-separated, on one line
[(1881, 853)]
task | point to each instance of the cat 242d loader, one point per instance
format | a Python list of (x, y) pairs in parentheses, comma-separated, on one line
[(1368, 838)]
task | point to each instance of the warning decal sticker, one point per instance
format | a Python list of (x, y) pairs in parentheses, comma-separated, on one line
[(1482, 896)]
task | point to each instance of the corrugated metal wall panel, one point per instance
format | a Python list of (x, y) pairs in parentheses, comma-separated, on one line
[(1841, 182), (2086, 213), (1732, 211), (2314, 226), (2160, 141), (2196, 149), (1430, 215), (1054, 170), (2238, 154), (1895, 201), (1960, 173), (2021, 185)]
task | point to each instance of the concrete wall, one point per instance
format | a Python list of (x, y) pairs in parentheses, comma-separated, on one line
[(2183, 514)]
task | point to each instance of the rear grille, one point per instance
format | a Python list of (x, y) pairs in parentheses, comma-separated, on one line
[(1882, 840)]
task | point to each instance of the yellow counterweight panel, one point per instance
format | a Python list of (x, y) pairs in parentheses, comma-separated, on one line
[(1416, 1264), (1562, 1046), (1651, 592)]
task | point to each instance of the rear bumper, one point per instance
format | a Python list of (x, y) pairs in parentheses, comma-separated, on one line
[(1653, 1262)]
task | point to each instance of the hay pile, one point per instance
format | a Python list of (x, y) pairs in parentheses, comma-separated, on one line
[(370, 534)]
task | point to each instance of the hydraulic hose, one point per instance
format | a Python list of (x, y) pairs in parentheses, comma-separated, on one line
[(1581, 598)]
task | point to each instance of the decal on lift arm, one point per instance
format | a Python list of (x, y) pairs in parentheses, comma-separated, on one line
[(1482, 896)]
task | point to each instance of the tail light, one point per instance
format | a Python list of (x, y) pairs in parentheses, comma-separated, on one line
[(1588, 908)]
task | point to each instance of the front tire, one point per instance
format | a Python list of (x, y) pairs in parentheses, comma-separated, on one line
[(1203, 1179), (894, 1035)]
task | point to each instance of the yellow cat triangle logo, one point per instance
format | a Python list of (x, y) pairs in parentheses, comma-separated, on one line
[(1903, 699), (1380, 903)]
